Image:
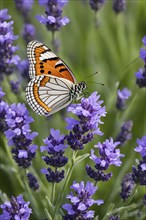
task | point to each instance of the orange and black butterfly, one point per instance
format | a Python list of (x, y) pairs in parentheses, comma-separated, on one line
[(52, 85)]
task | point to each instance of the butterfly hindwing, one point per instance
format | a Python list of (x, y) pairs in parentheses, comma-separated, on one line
[(48, 94), (43, 61)]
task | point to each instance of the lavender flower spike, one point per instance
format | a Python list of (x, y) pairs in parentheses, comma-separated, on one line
[(108, 155), (123, 95), (119, 5), (83, 129), (96, 4), (127, 186), (53, 19), (24, 6), (19, 134), (81, 201), (7, 37), (125, 133), (55, 149), (17, 208)]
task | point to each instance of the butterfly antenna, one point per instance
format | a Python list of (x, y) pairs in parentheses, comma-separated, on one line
[(92, 75), (102, 84)]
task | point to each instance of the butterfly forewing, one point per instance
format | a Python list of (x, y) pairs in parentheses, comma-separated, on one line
[(44, 61)]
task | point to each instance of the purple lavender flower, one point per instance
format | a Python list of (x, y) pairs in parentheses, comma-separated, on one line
[(28, 32), (55, 148), (141, 74), (83, 129), (119, 5), (139, 172), (123, 95), (7, 57), (96, 4), (15, 86), (24, 6), (17, 208), (109, 155), (125, 133), (127, 186), (33, 183), (53, 19), (81, 201), (19, 134)]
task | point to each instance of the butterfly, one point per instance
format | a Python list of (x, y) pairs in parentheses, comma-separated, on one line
[(52, 84)]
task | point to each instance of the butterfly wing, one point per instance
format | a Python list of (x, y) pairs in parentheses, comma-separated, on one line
[(44, 61), (48, 94)]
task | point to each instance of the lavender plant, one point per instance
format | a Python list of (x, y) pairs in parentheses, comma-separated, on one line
[(82, 150), (119, 5), (122, 96), (53, 19), (8, 59)]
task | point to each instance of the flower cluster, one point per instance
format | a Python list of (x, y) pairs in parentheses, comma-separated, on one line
[(55, 148), (127, 186), (119, 5), (28, 32), (123, 95), (82, 129), (24, 7), (33, 183), (7, 38), (19, 134), (109, 155), (141, 74), (139, 172), (53, 19), (125, 133), (81, 201), (96, 4), (17, 208)]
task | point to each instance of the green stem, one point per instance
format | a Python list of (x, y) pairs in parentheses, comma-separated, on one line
[(69, 173), (53, 192), (13, 164), (53, 40), (30, 193)]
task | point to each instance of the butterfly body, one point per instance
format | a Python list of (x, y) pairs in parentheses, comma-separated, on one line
[(52, 85)]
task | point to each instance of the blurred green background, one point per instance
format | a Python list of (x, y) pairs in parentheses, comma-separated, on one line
[(111, 48)]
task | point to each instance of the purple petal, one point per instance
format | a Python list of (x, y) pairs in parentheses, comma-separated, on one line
[(23, 154), (65, 20), (69, 209)]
